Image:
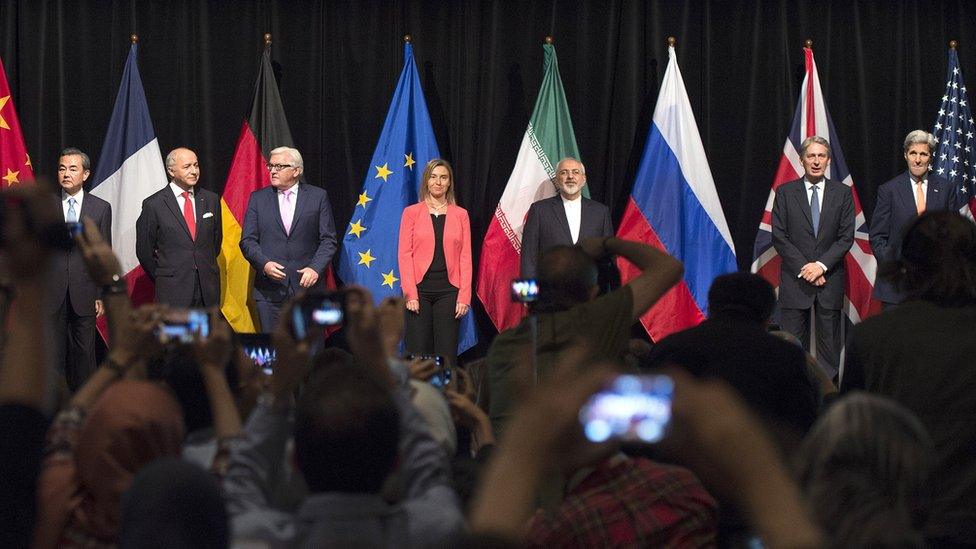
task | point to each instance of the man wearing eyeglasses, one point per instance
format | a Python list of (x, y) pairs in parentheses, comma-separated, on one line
[(564, 219), (178, 236), (288, 236)]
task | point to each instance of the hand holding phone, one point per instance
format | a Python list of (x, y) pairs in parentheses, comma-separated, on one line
[(181, 325), (525, 290), (261, 351), (631, 408), (316, 310)]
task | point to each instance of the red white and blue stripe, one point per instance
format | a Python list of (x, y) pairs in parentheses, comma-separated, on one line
[(812, 118), (674, 206), (955, 159), (130, 168)]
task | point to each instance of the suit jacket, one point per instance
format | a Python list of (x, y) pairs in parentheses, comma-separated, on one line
[(793, 238), (894, 210), (67, 274), (546, 226), (310, 243), (416, 249), (170, 257)]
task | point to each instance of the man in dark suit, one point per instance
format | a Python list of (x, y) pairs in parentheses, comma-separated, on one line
[(73, 298), (813, 229), (900, 201), (178, 236), (564, 219), (288, 236)]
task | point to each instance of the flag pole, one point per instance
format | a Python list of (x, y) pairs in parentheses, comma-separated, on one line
[(407, 38), (134, 38), (953, 44), (549, 40), (808, 43), (672, 41), (267, 39)]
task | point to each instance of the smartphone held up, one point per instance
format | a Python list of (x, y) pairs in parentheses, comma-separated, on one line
[(631, 409)]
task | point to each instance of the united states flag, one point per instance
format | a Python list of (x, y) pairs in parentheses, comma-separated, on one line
[(812, 118), (954, 129)]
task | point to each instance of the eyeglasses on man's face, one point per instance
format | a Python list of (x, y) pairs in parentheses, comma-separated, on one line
[(278, 167)]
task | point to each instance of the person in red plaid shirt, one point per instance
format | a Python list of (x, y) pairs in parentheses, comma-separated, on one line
[(628, 502)]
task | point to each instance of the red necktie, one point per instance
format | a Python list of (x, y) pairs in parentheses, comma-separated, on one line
[(191, 221)]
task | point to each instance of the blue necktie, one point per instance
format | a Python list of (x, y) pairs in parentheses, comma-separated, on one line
[(815, 210), (72, 214)]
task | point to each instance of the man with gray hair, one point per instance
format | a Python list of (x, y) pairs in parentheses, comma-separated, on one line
[(900, 201), (288, 235), (813, 229), (564, 219), (178, 236)]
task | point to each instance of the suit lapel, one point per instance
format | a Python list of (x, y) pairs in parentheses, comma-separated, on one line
[(559, 211), (301, 202), (170, 200), (935, 195), (905, 195), (801, 197)]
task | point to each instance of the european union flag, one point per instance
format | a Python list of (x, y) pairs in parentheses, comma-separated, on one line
[(369, 248)]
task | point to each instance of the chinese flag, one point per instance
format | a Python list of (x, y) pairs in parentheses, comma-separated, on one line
[(15, 164)]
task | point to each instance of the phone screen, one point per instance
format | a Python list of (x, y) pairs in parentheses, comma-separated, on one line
[(260, 350), (180, 325), (525, 290), (632, 408), (317, 310)]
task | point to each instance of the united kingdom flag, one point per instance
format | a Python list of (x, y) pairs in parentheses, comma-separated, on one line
[(812, 118), (954, 129)]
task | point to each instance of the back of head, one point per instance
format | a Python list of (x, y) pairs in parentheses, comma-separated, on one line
[(130, 425), (741, 296), (347, 430), (566, 275), (863, 469), (173, 504), (938, 259), (176, 365)]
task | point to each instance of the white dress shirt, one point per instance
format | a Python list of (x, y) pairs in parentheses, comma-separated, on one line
[(179, 198), (821, 189), (574, 212), (79, 196), (913, 184)]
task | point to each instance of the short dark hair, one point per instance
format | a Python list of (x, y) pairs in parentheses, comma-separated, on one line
[(176, 366), (347, 430), (565, 276), (938, 260), (741, 296), (69, 151)]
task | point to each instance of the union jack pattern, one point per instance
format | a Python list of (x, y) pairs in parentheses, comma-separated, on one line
[(812, 118)]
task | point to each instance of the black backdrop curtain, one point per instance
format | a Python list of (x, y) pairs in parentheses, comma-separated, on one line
[(882, 66)]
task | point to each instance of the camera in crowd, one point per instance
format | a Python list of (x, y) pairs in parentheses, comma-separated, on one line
[(317, 310), (525, 290), (631, 409)]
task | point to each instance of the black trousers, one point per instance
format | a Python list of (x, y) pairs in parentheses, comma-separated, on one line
[(797, 322), (433, 330), (74, 344)]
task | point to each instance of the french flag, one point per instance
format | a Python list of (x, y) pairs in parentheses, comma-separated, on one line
[(674, 207), (129, 169)]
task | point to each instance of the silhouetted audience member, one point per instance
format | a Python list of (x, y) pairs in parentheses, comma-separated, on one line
[(863, 470), (921, 355), (173, 504), (92, 456), (733, 345), (354, 424), (568, 312)]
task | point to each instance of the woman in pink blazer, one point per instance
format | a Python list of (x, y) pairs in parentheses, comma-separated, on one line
[(435, 265)]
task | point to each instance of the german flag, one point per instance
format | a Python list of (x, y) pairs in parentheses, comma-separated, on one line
[(264, 128)]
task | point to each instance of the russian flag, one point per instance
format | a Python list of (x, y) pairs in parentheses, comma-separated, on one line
[(129, 169), (674, 207)]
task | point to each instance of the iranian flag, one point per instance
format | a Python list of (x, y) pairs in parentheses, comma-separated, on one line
[(548, 139)]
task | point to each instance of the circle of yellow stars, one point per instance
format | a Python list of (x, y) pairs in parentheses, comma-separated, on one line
[(356, 228)]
